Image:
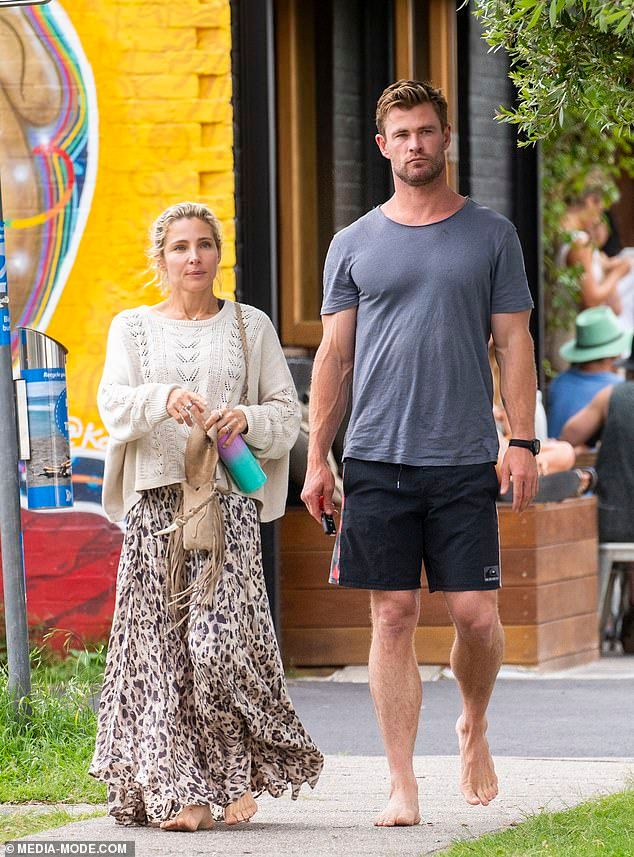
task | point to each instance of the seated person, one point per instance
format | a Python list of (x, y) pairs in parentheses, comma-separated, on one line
[(555, 456), (598, 343), (602, 276), (611, 413), (558, 477)]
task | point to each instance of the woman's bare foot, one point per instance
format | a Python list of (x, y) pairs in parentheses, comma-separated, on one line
[(190, 818), (241, 809), (402, 808), (478, 781)]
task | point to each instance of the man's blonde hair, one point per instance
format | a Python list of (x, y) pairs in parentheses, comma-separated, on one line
[(407, 94)]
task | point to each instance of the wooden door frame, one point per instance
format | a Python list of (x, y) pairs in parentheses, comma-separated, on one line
[(297, 179), (299, 278), (439, 24)]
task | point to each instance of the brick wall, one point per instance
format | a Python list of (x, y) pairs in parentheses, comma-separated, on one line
[(134, 95), (162, 76), (348, 107), (490, 144)]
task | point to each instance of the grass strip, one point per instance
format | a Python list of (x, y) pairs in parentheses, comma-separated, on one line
[(44, 756), (598, 828), (17, 825)]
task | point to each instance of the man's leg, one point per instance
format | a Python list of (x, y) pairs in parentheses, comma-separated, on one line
[(476, 658), (396, 690)]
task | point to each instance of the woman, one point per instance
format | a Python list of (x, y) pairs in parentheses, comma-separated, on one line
[(194, 715), (602, 277)]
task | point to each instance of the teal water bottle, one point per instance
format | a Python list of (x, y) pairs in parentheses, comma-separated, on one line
[(243, 466)]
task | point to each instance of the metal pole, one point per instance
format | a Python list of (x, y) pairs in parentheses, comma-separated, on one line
[(10, 519), (13, 577)]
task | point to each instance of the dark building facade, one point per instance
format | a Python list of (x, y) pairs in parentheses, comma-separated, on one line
[(307, 76)]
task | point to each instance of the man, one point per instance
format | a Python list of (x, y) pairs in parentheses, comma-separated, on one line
[(412, 291), (610, 414), (599, 341)]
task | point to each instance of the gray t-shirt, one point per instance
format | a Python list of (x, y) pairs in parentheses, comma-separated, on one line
[(422, 389)]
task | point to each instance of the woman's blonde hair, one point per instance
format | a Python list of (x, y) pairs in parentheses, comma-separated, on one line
[(160, 228)]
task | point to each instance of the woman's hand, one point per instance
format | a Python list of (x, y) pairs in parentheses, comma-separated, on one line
[(617, 263), (185, 406), (229, 423)]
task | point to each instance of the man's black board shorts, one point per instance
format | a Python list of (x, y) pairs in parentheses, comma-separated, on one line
[(395, 517)]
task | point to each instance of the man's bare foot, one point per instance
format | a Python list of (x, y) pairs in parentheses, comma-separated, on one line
[(402, 808), (478, 781), (190, 818), (241, 809)]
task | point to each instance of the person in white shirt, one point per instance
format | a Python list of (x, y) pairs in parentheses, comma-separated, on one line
[(195, 720), (604, 280)]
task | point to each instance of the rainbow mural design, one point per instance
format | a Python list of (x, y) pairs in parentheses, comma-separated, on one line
[(64, 153), (82, 178), (48, 152)]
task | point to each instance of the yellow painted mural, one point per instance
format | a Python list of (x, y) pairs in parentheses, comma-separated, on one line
[(110, 110), (153, 82)]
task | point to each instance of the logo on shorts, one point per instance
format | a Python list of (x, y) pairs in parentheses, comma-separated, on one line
[(491, 573)]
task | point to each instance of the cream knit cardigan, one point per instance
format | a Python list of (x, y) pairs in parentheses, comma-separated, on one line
[(148, 355)]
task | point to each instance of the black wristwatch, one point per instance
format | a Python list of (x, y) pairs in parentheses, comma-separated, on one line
[(532, 445)]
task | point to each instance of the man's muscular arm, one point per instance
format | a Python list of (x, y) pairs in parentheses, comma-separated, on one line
[(330, 387), (518, 385)]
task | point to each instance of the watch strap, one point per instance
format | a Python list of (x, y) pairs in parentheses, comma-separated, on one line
[(532, 445)]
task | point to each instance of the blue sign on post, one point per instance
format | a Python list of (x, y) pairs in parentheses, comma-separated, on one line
[(5, 322), (48, 472)]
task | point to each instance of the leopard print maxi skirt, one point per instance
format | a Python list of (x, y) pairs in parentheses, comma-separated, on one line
[(196, 714)]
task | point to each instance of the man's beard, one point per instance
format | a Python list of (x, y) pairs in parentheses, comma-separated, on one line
[(434, 168)]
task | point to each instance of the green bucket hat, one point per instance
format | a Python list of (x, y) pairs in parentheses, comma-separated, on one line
[(599, 335)]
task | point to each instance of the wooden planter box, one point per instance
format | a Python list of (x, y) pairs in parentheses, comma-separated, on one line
[(548, 601)]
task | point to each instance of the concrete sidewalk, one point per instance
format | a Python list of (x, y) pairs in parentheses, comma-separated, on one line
[(336, 818), (616, 668)]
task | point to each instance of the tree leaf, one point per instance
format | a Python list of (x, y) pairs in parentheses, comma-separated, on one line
[(535, 16), (553, 13), (625, 23)]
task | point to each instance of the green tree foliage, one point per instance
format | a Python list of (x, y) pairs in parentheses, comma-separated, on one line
[(572, 64), (565, 54)]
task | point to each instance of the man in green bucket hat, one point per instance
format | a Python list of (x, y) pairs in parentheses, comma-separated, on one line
[(599, 341)]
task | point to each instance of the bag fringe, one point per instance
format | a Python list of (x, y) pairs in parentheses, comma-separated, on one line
[(182, 598)]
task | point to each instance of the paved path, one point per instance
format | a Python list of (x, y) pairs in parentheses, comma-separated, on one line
[(542, 717), (336, 818), (581, 713)]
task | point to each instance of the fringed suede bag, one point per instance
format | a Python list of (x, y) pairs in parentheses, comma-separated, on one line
[(200, 524)]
